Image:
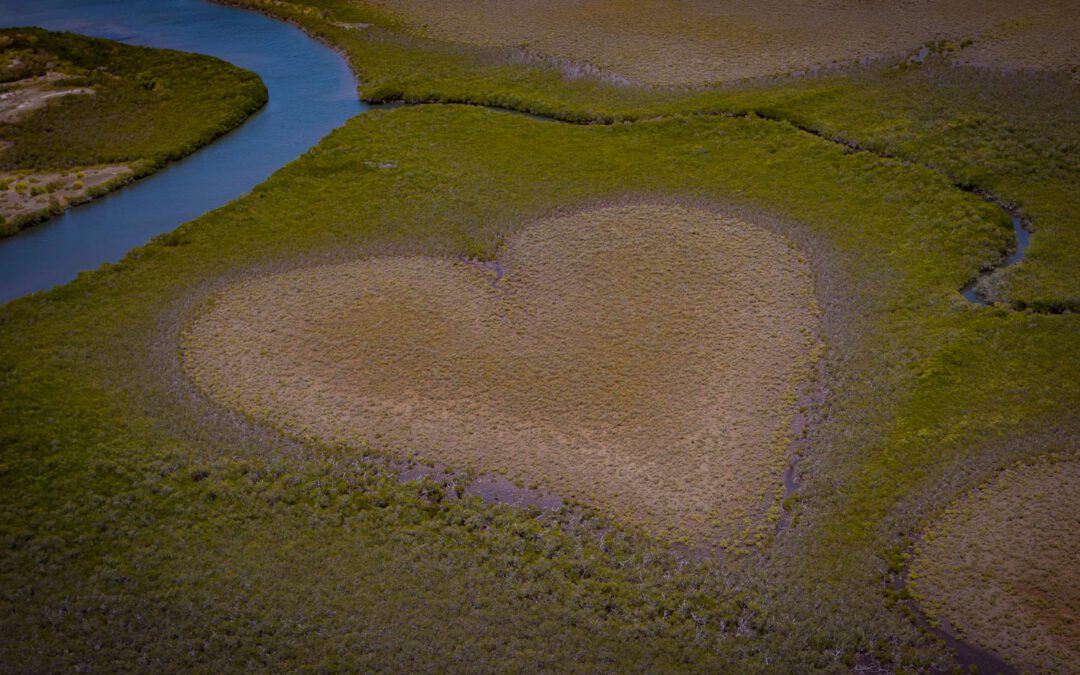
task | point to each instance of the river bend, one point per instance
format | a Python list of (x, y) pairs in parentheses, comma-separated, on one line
[(311, 91)]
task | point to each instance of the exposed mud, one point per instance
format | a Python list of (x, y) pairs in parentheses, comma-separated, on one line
[(495, 267), (492, 488), (807, 416)]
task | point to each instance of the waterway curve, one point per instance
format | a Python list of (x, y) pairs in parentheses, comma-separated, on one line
[(971, 291), (312, 91)]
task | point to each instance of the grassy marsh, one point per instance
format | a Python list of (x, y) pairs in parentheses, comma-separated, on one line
[(1012, 133), (1000, 565), (697, 42), (97, 419), (107, 451)]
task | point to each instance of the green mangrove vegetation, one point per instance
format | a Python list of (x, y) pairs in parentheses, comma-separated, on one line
[(88, 115), (1014, 134), (146, 526)]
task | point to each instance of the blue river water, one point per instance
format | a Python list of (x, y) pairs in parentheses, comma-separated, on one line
[(311, 90)]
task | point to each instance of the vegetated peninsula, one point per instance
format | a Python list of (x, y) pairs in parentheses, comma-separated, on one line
[(690, 336), (80, 116)]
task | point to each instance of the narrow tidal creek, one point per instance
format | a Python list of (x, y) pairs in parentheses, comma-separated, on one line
[(311, 90)]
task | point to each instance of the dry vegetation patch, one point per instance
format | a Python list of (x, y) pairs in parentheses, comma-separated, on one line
[(19, 99), (25, 193), (1001, 566), (689, 42), (643, 358)]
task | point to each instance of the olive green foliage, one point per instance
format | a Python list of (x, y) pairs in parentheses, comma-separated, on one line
[(1000, 565), (1014, 134), (149, 105), (240, 565), (99, 428), (144, 526)]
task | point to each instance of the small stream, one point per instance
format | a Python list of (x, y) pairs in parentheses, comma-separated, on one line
[(1022, 235)]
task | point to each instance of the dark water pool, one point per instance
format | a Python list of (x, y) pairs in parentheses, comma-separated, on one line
[(311, 93)]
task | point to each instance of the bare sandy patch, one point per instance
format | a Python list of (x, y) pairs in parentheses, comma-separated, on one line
[(19, 99), (24, 193), (689, 42), (641, 358), (1001, 566)]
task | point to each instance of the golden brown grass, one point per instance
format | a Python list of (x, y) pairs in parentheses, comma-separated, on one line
[(1002, 566), (641, 358), (689, 42)]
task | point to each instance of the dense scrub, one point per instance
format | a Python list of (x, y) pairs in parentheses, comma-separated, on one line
[(146, 107)]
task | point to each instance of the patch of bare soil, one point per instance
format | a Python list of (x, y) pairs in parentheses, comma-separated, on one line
[(640, 358), (18, 99), (23, 194), (1042, 36)]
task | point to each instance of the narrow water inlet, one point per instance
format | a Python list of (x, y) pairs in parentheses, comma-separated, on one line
[(971, 291)]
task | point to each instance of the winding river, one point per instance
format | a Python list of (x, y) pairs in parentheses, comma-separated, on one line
[(311, 89)]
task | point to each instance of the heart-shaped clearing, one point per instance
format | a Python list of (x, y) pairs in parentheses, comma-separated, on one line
[(643, 358)]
